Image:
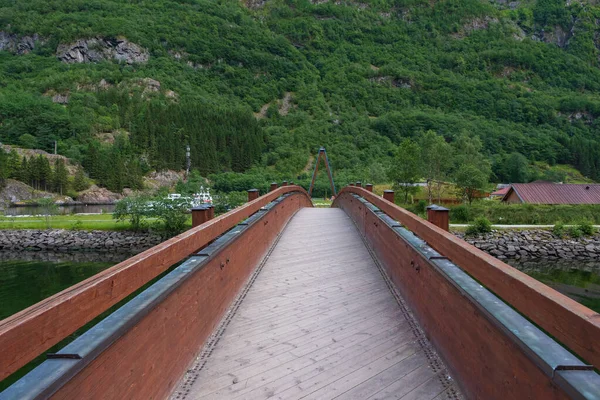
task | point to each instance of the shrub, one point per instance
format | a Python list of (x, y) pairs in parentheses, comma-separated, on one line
[(421, 206), (480, 225), (134, 209), (575, 232), (49, 208), (461, 213), (586, 228), (171, 214), (558, 229)]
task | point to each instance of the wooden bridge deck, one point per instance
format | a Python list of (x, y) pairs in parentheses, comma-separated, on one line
[(318, 321)]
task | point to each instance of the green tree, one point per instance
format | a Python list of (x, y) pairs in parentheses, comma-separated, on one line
[(516, 168), (436, 157), (4, 169), (80, 181), (133, 208), (470, 179), (406, 168), (472, 168), (171, 214), (60, 177), (14, 164), (28, 141)]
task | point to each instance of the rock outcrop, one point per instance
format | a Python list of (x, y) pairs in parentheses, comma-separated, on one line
[(98, 195), (15, 192), (18, 44), (533, 244), (102, 49)]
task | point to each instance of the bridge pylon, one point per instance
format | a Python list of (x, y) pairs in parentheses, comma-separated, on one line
[(322, 155)]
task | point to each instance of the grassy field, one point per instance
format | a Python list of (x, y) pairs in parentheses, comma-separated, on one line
[(320, 202), (79, 222)]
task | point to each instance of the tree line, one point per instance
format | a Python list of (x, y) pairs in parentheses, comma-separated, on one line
[(461, 162), (40, 173)]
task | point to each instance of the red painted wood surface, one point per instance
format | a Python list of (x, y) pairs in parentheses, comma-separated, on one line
[(574, 325), (147, 361), (440, 218), (201, 215), (486, 363), (27, 334)]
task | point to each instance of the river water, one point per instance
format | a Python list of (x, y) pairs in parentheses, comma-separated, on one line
[(580, 280), (29, 277)]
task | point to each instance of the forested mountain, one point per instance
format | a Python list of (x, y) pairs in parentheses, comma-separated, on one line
[(258, 86)]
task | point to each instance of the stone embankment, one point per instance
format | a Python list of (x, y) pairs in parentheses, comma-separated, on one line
[(68, 240), (529, 244)]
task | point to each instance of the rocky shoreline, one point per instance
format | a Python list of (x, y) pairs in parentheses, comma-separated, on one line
[(535, 244), (68, 240), (509, 245)]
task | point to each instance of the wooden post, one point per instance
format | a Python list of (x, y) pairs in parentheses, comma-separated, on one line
[(369, 187), (439, 216), (351, 184), (388, 195), (252, 194), (201, 214), (358, 184), (284, 183), (273, 186)]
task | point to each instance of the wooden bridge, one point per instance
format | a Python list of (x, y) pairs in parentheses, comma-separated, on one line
[(277, 299)]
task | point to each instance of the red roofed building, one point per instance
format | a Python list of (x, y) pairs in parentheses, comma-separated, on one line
[(553, 193), (500, 193)]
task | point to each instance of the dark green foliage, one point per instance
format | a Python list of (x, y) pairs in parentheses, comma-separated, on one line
[(4, 169), (406, 168), (479, 226), (224, 202), (575, 232), (501, 213), (586, 228), (135, 209), (361, 79), (460, 214), (80, 181), (421, 206), (60, 177), (171, 214), (559, 229)]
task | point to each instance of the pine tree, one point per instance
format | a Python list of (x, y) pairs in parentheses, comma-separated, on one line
[(80, 181), (45, 172), (4, 170), (60, 177), (24, 174), (14, 164)]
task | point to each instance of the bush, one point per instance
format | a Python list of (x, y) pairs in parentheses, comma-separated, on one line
[(575, 232), (461, 213), (135, 209), (480, 225), (224, 202), (421, 206), (558, 229), (586, 228), (171, 214)]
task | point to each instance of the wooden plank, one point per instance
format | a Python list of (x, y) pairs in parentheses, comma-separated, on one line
[(28, 333), (147, 360), (573, 324), (487, 362), (318, 321)]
